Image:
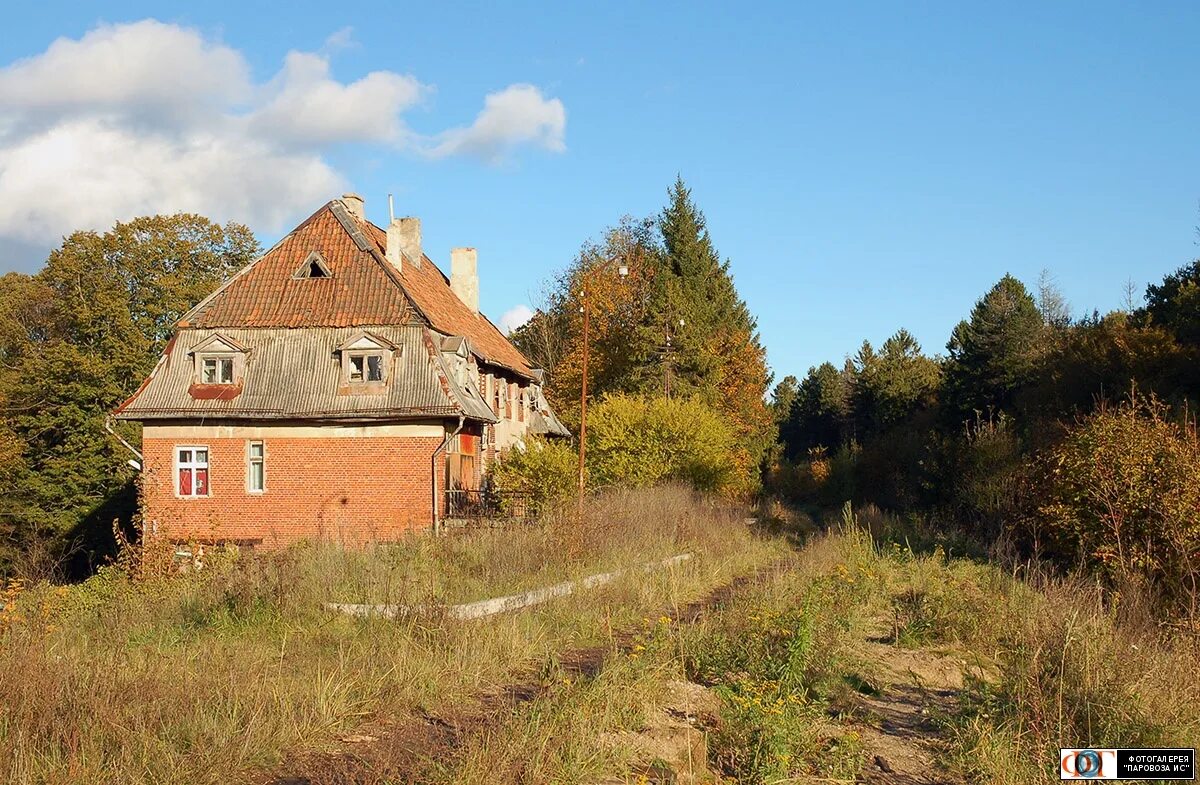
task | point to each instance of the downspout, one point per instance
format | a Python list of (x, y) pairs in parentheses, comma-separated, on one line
[(109, 427), (433, 460)]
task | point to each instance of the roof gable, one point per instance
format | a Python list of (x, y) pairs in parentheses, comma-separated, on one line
[(365, 340), (218, 344), (358, 288)]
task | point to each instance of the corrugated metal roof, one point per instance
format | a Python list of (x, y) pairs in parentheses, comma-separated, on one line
[(296, 373)]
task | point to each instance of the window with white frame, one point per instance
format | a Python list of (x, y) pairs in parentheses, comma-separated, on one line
[(191, 472), (256, 467), (216, 370), (366, 367)]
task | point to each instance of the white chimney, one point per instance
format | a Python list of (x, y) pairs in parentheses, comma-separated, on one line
[(404, 236), (356, 205), (394, 243), (464, 276)]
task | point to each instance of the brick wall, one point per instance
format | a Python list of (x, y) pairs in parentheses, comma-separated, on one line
[(344, 488)]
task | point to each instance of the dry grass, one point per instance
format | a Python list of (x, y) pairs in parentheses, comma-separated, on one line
[(210, 676), (214, 676), (1057, 661)]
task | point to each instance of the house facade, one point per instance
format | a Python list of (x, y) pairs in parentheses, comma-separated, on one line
[(338, 387)]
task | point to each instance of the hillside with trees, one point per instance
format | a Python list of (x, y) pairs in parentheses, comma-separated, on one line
[(1048, 437)]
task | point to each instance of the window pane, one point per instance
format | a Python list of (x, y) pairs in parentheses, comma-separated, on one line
[(185, 456), (202, 482), (356, 368), (202, 457), (256, 476), (256, 449), (210, 371), (185, 482), (226, 371), (374, 368)]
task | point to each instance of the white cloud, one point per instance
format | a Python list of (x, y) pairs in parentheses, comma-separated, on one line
[(518, 114), (145, 71), (149, 117), (86, 173), (306, 106), (514, 317)]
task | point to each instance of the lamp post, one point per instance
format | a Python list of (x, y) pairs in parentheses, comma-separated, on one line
[(623, 271)]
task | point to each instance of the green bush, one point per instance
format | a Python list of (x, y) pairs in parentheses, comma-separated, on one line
[(635, 442), (543, 471), (1121, 495)]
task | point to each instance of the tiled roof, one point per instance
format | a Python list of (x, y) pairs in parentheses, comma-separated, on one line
[(363, 290), (430, 290), (295, 373), (267, 293)]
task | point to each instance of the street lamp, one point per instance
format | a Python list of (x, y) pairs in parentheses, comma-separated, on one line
[(623, 272)]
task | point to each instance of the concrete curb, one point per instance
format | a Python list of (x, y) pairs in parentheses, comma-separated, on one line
[(482, 608)]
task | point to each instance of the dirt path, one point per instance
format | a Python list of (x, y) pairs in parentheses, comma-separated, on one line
[(897, 718)]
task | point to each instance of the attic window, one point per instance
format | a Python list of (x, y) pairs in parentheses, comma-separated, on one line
[(366, 362), (366, 367), (217, 370), (314, 267), (219, 361)]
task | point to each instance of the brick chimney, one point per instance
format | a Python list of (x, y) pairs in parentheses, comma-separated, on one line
[(464, 276), (356, 205), (404, 237)]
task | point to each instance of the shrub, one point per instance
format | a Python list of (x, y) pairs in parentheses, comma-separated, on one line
[(977, 475), (636, 442), (543, 471), (1122, 497)]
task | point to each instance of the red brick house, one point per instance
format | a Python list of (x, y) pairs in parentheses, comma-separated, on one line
[(340, 386)]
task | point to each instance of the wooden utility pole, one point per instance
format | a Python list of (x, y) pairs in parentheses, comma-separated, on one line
[(583, 399), (623, 272)]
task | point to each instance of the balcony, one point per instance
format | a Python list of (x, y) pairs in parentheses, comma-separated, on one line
[(487, 507)]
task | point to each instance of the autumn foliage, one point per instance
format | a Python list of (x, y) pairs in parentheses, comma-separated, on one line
[(1122, 494)]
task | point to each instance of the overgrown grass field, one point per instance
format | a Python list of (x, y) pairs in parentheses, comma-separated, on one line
[(216, 674)]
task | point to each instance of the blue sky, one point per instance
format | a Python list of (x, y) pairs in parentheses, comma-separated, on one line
[(865, 168)]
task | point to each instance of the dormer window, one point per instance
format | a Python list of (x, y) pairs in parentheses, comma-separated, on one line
[(366, 367), (219, 362), (217, 370), (366, 363)]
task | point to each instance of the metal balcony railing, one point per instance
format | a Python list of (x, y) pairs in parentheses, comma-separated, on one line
[(487, 506)]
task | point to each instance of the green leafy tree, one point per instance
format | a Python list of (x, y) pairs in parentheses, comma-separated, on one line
[(674, 327), (1175, 303), (78, 338), (635, 441), (1099, 358), (545, 472), (619, 360), (783, 397), (821, 413), (996, 351)]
